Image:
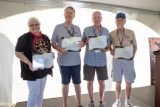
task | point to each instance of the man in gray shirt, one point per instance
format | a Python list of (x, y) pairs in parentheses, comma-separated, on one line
[(69, 61)]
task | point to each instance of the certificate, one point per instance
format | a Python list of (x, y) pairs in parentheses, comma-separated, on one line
[(125, 52), (98, 42), (71, 43), (42, 61)]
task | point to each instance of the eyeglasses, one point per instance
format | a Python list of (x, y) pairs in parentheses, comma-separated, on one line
[(31, 25)]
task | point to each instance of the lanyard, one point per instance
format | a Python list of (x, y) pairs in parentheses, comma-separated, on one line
[(121, 41), (94, 31), (69, 32)]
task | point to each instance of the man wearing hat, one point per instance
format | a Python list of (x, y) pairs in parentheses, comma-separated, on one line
[(123, 49)]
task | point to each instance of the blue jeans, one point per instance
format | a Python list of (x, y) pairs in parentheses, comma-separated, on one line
[(36, 89)]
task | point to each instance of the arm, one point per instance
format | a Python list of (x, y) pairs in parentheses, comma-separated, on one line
[(134, 50), (20, 49), (59, 49), (84, 38), (55, 40), (24, 59), (134, 44), (111, 47), (81, 43)]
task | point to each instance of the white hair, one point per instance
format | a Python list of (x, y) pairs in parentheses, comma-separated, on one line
[(33, 19), (96, 12)]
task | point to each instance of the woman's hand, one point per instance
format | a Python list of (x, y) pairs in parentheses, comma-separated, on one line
[(24, 59), (31, 66)]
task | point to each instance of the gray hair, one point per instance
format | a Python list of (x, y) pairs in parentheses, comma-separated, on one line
[(70, 7), (33, 19), (96, 12)]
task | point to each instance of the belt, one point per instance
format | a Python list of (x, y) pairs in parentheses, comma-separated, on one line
[(119, 46), (126, 59), (74, 51)]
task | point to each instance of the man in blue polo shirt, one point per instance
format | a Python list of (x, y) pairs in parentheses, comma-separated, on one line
[(69, 61), (95, 60)]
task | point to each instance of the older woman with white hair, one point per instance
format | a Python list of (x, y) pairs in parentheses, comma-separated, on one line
[(29, 44)]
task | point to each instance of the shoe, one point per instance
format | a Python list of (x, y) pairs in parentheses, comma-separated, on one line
[(128, 103), (117, 104), (91, 104), (101, 104)]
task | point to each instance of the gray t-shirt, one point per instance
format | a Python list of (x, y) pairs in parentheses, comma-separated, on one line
[(60, 32)]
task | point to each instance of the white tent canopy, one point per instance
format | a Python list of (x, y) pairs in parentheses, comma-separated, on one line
[(145, 11)]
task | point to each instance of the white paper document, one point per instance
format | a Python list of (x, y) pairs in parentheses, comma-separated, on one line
[(98, 42), (42, 61), (71, 43), (126, 52)]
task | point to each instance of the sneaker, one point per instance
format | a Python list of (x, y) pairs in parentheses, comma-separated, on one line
[(101, 104), (117, 104), (91, 104), (128, 104)]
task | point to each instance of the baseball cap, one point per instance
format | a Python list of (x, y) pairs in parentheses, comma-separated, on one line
[(120, 15)]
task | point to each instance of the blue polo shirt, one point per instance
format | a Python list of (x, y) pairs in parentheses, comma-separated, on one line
[(94, 57)]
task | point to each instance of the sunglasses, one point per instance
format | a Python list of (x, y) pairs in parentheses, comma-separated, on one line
[(31, 25)]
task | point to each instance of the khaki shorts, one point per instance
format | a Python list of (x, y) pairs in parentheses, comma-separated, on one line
[(89, 72), (123, 67)]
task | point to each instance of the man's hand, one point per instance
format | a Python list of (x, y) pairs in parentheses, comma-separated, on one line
[(112, 52), (62, 50), (59, 49), (81, 44), (104, 49)]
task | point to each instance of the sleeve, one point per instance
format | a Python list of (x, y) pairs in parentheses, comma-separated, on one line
[(54, 38), (111, 40), (133, 41), (21, 44), (108, 38), (79, 30)]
